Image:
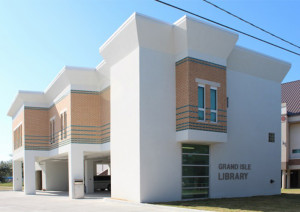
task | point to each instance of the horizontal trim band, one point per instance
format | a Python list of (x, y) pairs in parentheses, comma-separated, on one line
[(202, 62)]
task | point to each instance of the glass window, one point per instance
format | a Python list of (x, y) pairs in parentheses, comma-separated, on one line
[(195, 171), (195, 182), (213, 105), (61, 126), (213, 99), (52, 131), (65, 124), (271, 137), (194, 193), (201, 103), (63, 121), (193, 148), (188, 159)]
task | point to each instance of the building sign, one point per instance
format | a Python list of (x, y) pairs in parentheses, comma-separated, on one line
[(233, 171)]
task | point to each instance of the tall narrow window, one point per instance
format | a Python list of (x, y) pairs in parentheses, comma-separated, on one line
[(61, 126), (213, 104), (50, 126), (201, 103), (52, 131), (65, 124), (21, 136)]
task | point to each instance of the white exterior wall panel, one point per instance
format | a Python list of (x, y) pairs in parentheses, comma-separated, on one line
[(160, 154), (125, 128), (253, 112)]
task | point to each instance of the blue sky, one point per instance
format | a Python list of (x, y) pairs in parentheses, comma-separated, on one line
[(37, 38)]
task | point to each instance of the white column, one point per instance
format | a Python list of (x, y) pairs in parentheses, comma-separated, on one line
[(283, 179), (76, 169), (17, 175), (288, 177), (29, 173), (89, 176)]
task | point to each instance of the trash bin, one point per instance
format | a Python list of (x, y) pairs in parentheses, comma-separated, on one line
[(78, 189)]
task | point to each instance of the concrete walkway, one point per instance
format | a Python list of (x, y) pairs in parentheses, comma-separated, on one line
[(59, 201)]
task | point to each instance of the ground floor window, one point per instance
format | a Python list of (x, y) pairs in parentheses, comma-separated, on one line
[(195, 171)]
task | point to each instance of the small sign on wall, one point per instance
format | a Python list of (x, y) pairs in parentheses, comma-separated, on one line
[(233, 171)]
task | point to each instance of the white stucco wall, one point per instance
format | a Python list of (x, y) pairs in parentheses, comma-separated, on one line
[(125, 128), (160, 154), (56, 175), (253, 112)]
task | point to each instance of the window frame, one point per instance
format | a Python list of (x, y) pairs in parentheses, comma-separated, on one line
[(198, 108), (52, 130), (214, 110), (198, 187), (63, 124)]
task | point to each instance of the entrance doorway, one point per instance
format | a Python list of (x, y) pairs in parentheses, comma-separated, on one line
[(195, 171), (295, 179), (38, 180)]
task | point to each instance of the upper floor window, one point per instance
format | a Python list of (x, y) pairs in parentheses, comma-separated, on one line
[(213, 104), (201, 103), (296, 151), (18, 138), (63, 124), (52, 130), (272, 137)]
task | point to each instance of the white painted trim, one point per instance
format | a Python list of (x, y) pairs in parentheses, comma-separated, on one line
[(118, 31), (294, 119), (18, 126), (206, 82), (198, 108), (216, 110), (62, 111), (52, 118), (200, 137)]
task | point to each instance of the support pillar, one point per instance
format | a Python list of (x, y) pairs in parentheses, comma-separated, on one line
[(76, 170), (29, 174), (89, 175), (17, 175), (288, 179), (283, 179)]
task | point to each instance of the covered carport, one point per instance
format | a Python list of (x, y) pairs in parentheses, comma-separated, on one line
[(96, 165), (52, 174)]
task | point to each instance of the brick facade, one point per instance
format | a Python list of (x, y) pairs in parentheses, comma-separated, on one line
[(87, 121), (90, 116), (188, 70)]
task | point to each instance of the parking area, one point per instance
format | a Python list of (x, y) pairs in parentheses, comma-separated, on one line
[(11, 201)]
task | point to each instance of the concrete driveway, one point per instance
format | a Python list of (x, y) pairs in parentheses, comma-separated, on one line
[(11, 201)]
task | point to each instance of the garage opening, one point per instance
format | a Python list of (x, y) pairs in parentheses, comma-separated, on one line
[(97, 176), (295, 179)]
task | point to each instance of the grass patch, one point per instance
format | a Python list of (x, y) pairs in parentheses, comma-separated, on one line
[(289, 200), (6, 186)]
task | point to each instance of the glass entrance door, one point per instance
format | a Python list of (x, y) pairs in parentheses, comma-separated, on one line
[(195, 171)]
